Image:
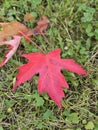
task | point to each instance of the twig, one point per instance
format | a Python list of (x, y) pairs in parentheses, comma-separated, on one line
[(26, 37)]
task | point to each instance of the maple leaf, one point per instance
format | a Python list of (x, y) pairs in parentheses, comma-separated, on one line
[(13, 45), (49, 67)]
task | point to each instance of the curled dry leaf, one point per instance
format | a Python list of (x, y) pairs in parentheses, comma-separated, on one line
[(11, 29), (13, 45), (49, 67), (41, 26)]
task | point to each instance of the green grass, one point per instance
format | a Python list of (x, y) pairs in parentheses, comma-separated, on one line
[(74, 29)]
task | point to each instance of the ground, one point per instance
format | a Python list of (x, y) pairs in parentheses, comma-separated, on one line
[(74, 29)]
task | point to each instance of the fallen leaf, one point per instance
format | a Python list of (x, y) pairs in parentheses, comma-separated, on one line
[(10, 29), (49, 67), (13, 45), (28, 17), (41, 26)]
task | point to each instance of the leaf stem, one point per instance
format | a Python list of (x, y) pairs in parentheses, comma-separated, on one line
[(26, 37)]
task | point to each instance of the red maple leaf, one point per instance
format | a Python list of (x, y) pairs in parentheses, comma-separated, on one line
[(49, 67)]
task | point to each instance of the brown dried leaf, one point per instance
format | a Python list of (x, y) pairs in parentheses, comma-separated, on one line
[(10, 29)]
